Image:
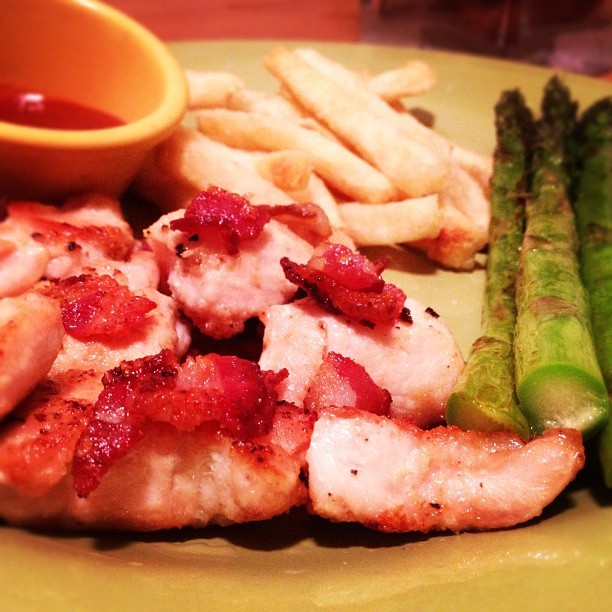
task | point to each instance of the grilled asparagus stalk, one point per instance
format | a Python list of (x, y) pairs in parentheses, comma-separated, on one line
[(593, 210), (558, 379), (484, 397)]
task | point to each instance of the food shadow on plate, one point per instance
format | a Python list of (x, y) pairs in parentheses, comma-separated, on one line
[(287, 531), (591, 478), (402, 259), (407, 259), (280, 533)]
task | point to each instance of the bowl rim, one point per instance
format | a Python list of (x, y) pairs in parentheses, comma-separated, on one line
[(155, 124)]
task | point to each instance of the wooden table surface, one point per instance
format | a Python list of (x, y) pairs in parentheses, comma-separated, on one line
[(317, 20), (323, 20)]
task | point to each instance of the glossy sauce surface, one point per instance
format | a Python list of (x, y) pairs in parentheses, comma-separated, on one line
[(34, 109)]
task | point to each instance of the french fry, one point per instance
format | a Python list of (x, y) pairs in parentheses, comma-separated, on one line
[(317, 191), (264, 103), (477, 165), (403, 121), (331, 133), (342, 169), (289, 170), (414, 168), (462, 191), (414, 78), (210, 89), (460, 237), (391, 223), (276, 105), (188, 162)]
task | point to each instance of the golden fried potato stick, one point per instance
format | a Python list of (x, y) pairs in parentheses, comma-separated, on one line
[(337, 165), (265, 103), (289, 169), (480, 166), (412, 79), (462, 191), (189, 162), (412, 166), (211, 88), (317, 191), (461, 235), (391, 223)]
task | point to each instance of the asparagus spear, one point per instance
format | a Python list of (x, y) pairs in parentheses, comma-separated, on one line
[(558, 379), (593, 210), (484, 397)]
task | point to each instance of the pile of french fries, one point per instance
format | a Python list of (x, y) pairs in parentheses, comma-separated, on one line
[(341, 139)]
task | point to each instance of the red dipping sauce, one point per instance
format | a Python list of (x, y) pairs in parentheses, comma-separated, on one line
[(38, 110)]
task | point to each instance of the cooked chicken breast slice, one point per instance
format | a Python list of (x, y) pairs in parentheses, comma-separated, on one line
[(175, 479), (31, 334), (392, 476), (22, 261), (162, 328), (83, 230), (418, 362), (220, 292), (38, 438)]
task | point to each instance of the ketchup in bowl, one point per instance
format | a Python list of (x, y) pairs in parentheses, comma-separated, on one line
[(33, 109)]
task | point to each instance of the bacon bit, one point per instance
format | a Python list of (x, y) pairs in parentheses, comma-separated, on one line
[(233, 393), (348, 268), (342, 382), (222, 215), (94, 306), (346, 282)]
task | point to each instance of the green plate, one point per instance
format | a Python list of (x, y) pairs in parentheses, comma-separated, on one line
[(562, 561)]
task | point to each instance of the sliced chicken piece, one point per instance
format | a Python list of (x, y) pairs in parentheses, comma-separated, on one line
[(418, 363), (163, 328), (218, 291), (392, 476), (106, 322), (22, 261), (159, 459), (37, 440), (176, 479), (31, 334), (86, 228), (140, 271)]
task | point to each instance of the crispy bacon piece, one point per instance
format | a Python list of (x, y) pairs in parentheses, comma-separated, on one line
[(343, 281), (224, 216), (342, 382), (234, 393), (348, 268), (111, 240), (94, 306)]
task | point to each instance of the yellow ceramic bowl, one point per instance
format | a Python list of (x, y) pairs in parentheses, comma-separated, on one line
[(88, 53)]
